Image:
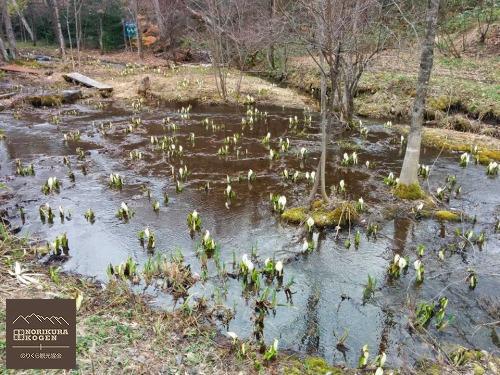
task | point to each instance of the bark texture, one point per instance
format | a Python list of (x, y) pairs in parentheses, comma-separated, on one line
[(409, 172), (9, 31), (57, 22)]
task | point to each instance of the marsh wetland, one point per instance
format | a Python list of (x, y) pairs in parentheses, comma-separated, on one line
[(323, 291)]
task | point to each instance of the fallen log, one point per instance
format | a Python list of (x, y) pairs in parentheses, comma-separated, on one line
[(18, 69), (8, 95), (87, 82)]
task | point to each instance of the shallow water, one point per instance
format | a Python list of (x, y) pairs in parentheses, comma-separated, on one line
[(328, 283)]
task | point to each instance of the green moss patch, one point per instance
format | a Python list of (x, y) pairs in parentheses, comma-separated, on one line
[(444, 215), (313, 365), (411, 192)]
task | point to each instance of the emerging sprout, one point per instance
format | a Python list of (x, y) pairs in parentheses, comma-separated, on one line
[(420, 250), (363, 130), (284, 144), (251, 175), (246, 265), (424, 170), (52, 185), (156, 206), (233, 336), (363, 359), (272, 351), (194, 221), (266, 139), (135, 155), (310, 176), (60, 245), (369, 290), (278, 202), (183, 173), (308, 245), (89, 216), (390, 180), (342, 186), (464, 159), (208, 243), (147, 236), (440, 193), (379, 362), (441, 254), (398, 265), (46, 213), (303, 153), (126, 271), (491, 169), (22, 170), (357, 239), (124, 213), (273, 155), (279, 268), (115, 181), (419, 267), (63, 215), (72, 136), (310, 224), (360, 205), (178, 187), (229, 192), (350, 159), (472, 279), (372, 230)]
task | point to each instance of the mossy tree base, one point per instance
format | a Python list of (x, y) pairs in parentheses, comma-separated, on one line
[(411, 192)]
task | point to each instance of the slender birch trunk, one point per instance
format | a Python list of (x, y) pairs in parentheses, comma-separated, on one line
[(24, 22), (409, 171), (57, 22)]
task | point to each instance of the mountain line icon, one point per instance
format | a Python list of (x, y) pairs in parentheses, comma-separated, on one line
[(35, 317)]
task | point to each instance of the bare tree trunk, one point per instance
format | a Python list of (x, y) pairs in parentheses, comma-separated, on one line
[(321, 169), (409, 172), (139, 32), (270, 53), (11, 38), (124, 35), (58, 28), (323, 131), (24, 22), (3, 51), (70, 40), (77, 11), (101, 44)]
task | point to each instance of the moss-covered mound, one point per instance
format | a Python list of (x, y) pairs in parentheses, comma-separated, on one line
[(314, 365), (323, 216), (444, 215), (411, 192)]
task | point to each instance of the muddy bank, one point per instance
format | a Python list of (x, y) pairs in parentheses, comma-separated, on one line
[(169, 83), (463, 92)]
